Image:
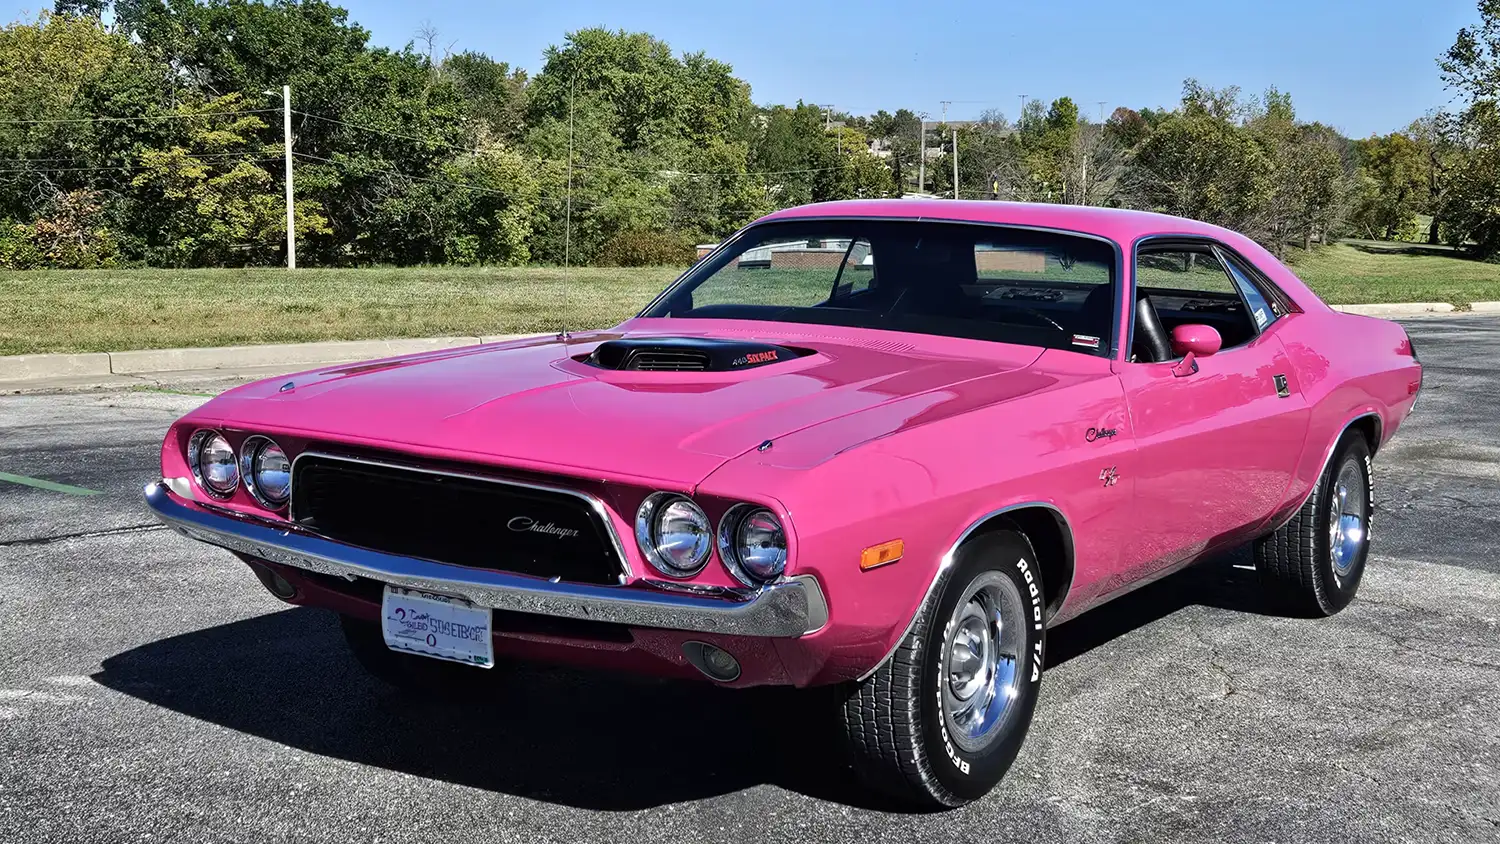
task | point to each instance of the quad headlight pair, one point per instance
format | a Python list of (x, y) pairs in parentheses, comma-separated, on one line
[(676, 537), (261, 461)]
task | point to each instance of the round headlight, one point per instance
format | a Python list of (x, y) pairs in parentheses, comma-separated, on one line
[(267, 471), (213, 465), (753, 544), (673, 533)]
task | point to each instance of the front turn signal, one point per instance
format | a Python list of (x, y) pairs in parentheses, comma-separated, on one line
[(881, 555)]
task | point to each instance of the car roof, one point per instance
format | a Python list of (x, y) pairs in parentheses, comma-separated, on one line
[(1118, 224)]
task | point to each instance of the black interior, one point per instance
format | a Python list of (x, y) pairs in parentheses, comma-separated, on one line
[(1152, 342)]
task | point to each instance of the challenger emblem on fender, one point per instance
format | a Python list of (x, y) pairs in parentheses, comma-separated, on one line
[(1109, 476)]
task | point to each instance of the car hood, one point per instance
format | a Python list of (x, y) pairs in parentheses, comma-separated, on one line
[(535, 404)]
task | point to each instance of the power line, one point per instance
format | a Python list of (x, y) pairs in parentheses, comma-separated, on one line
[(10, 120), (444, 182), (559, 162), (196, 156), (112, 167)]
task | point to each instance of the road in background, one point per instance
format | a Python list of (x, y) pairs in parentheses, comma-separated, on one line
[(150, 689)]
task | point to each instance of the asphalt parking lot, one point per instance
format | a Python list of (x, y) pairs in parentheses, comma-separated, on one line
[(151, 690)]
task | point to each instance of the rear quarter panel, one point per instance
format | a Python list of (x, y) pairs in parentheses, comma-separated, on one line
[(1347, 366), (925, 470)]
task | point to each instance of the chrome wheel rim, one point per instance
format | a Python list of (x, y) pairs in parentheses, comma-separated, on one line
[(982, 649), (1348, 519)]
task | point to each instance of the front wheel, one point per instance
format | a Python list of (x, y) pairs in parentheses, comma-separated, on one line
[(939, 723)]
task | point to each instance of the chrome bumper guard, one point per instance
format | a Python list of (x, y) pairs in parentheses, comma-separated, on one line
[(789, 608)]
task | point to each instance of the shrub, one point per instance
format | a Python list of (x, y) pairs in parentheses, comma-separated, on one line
[(647, 248)]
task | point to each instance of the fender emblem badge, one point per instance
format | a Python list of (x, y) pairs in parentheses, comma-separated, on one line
[(1109, 476)]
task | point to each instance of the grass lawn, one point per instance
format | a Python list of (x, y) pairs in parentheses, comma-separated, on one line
[(112, 310), (1345, 274)]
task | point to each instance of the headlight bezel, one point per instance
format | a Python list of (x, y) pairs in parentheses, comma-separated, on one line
[(648, 532), (729, 544), (195, 449), (251, 450)]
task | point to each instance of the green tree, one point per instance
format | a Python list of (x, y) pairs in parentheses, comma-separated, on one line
[(1198, 163), (1393, 186), (211, 200), (493, 96)]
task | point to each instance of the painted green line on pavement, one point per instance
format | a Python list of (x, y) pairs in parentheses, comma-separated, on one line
[(47, 485)]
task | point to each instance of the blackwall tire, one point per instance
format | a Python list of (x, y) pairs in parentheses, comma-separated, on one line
[(1313, 564), (914, 728), (405, 672)]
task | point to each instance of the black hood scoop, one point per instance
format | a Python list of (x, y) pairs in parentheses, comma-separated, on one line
[(688, 354)]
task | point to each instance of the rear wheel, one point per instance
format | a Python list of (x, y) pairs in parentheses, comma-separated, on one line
[(405, 672), (939, 723), (1313, 565)]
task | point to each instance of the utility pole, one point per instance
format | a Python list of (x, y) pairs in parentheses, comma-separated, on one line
[(945, 103), (922, 155), (828, 124), (1101, 111), (955, 162), (286, 139), (1022, 115)]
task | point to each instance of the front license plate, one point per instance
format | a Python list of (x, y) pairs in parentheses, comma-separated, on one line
[(439, 626)]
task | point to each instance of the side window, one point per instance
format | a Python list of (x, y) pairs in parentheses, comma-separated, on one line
[(1261, 309), (857, 274), (1184, 270), (1190, 285)]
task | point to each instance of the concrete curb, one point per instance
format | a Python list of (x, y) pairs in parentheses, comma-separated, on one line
[(1397, 309), (1485, 307), (102, 364), (29, 367)]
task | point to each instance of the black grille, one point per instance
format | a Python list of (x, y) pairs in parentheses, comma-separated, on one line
[(463, 521), (663, 360)]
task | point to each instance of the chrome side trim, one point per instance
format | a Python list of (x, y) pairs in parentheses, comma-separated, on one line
[(594, 503), (1327, 458), (947, 563), (789, 608)]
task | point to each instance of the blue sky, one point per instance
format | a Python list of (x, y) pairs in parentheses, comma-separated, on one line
[(1364, 66)]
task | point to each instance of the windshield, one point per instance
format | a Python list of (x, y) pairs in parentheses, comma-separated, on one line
[(951, 279)]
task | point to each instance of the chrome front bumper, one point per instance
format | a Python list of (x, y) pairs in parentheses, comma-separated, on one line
[(790, 608)]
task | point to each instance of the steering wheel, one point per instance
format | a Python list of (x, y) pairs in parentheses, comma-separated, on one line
[(1041, 318)]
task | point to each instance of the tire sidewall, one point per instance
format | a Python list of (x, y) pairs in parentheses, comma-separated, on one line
[(968, 775), (1338, 591)]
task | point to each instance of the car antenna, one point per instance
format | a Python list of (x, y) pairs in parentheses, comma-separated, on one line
[(568, 221)]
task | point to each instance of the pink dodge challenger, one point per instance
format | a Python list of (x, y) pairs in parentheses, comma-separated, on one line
[(881, 445)]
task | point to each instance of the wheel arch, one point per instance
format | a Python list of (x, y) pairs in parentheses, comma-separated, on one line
[(1051, 536), (1370, 424)]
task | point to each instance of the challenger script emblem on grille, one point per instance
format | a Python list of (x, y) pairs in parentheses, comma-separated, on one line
[(526, 524)]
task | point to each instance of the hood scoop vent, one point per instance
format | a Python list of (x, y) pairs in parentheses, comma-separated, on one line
[(687, 354)]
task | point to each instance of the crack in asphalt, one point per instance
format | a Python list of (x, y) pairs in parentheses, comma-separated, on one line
[(1231, 686), (88, 534)]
